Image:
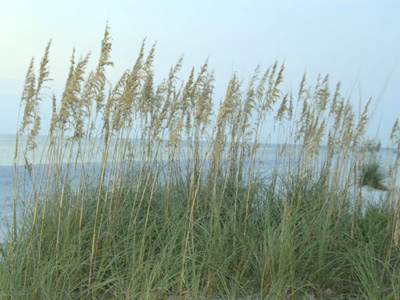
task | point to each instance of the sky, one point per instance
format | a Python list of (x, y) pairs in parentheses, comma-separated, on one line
[(356, 41)]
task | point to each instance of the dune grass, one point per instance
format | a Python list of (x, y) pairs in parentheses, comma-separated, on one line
[(371, 173), (178, 207), (372, 176)]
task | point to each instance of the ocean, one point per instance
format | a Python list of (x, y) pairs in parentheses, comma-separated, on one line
[(8, 163), (266, 156), (7, 145)]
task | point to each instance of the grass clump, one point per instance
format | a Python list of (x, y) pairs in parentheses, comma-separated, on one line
[(140, 192), (372, 176), (371, 171)]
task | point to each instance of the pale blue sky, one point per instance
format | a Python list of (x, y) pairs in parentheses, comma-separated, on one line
[(355, 41)]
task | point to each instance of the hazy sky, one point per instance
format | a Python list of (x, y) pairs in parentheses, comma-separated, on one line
[(355, 41)]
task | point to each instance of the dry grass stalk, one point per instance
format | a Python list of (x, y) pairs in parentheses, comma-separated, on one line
[(146, 130)]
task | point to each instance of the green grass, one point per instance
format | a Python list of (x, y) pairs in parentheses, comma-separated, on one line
[(372, 176), (148, 225), (283, 252)]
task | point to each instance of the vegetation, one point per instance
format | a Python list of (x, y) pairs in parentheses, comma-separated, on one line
[(146, 191), (372, 176)]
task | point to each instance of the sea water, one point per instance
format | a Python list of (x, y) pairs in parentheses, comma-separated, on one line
[(266, 157), (12, 164), (7, 145)]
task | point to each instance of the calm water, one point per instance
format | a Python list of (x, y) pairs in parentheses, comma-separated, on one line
[(6, 180), (266, 155), (7, 154)]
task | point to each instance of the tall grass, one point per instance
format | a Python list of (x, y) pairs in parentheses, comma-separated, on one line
[(148, 191)]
